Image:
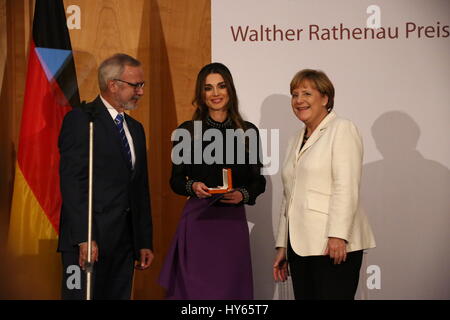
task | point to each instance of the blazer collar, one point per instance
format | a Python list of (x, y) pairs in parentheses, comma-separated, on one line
[(320, 130), (108, 122)]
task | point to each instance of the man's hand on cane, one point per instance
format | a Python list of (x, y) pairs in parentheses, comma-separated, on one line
[(84, 253)]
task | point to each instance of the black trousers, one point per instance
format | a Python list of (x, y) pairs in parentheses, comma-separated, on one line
[(112, 278), (318, 278), (113, 273)]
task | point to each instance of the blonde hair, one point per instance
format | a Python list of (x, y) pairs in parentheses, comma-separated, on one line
[(319, 80)]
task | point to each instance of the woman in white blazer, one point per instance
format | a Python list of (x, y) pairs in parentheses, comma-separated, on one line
[(322, 231)]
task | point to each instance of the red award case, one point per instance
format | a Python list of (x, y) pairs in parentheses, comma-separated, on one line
[(227, 183)]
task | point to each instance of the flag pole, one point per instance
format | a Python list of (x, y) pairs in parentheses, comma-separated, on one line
[(90, 264)]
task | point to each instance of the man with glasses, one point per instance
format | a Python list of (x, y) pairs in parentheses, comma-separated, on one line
[(122, 224)]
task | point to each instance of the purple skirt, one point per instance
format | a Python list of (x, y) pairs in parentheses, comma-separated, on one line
[(209, 257)]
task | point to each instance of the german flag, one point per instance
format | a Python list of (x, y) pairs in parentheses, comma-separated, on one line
[(51, 91)]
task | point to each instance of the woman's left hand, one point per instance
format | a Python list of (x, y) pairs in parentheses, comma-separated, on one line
[(337, 250), (232, 197)]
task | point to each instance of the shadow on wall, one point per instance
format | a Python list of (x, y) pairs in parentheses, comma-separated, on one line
[(86, 74), (276, 113), (160, 122), (407, 201)]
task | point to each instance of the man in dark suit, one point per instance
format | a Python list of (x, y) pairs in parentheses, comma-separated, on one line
[(122, 224)]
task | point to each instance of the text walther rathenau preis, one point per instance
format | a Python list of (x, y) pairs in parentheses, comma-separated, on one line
[(313, 32)]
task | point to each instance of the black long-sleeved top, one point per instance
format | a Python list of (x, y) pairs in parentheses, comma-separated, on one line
[(246, 170)]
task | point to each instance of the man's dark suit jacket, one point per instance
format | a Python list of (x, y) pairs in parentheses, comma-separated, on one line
[(117, 190)]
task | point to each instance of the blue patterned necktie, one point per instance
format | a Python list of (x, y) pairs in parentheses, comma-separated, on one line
[(119, 122)]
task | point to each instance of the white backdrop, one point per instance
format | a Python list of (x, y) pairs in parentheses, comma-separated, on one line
[(395, 89)]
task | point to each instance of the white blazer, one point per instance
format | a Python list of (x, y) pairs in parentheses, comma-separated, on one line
[(321, 190)]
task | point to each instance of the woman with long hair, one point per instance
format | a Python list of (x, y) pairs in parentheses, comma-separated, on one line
[(210, 254)]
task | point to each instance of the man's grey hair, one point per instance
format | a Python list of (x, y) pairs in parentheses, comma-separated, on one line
[(112, 68)]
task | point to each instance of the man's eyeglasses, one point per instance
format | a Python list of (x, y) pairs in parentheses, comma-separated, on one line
[(136, 86)]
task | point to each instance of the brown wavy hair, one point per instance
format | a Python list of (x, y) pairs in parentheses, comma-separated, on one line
[(201, 112)]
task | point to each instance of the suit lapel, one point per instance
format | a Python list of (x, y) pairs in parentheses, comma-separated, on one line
[(134, 135), (105, 119), (320, 130), (298, 143)]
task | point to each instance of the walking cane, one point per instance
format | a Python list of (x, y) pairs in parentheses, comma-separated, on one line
[(89, 265)]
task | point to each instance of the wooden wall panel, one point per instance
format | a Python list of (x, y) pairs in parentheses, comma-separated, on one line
[(3, 35), (172, 40), (107, 27), (187, 29), (5, 175), (177, 52), (15, 24), (15, 29)]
